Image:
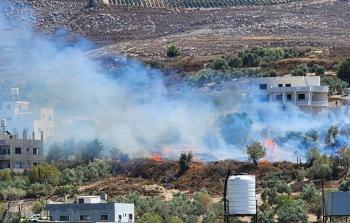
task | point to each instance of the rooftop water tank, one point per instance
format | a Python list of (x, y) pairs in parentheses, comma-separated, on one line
[(240, 195)]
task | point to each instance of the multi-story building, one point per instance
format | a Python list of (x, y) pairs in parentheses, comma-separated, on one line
[(91, 209), (19, 117), (18, 153), (305, 92)]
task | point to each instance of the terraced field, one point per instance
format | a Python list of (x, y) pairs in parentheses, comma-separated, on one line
[(196, 3)]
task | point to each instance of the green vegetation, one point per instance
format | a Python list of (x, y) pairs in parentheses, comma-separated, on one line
[(300, 70), (344, 70), (255, 152), (173, 51), (336, 85)]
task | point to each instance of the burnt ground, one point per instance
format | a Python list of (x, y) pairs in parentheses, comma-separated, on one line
[(145, 32)]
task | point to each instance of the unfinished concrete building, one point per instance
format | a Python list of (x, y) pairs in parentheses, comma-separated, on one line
[(305, 92), (20, 153)]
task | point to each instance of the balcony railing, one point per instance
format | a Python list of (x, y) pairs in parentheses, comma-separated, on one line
[(322, 89)]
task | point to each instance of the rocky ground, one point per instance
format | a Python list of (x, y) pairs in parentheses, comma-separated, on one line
[(145, 32)]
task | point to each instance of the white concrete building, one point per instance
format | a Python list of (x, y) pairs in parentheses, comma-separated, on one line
[(20, 117), (91, 209), (305, 92)]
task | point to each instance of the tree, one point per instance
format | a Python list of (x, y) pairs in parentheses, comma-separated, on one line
[(151, 217), (9, 194), (309, 193), (341, 162), (290, 210), (45, 174), (255, 152), (331, 136), (335, 84), (219, 64), (321, 168), (312, 155), (344, 70), (250, 60), (235, 62), (173, 51), (344, 185), (318, 69), (38, 207), (184, 162), (300, 70)]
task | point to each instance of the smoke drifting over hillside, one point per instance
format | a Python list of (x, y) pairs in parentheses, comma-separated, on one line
[(129, 107)]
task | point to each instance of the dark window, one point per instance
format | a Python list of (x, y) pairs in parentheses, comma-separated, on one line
[(301, 96), (64, 218), (5, 150), (280, 85), (104, 217), (288, 85), (35, 151), (263, 86), (119, 218), (130, 217), (18, 150), (278, 97), (85, 217), (289, 97), (81, 201)]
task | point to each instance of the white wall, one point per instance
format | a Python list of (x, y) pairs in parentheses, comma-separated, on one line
[(124, 210)]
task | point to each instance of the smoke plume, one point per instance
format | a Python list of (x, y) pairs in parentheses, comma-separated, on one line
[(130, 107)]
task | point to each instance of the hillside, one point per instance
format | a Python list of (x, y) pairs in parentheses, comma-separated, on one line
[(145, 32)]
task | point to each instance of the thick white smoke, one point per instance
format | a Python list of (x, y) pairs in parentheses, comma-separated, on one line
[(129, 107)]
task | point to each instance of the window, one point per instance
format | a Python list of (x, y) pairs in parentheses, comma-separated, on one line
[(289, 97), (18, 150), (81, 200), (85, 217), (64, 218), (104, 217), (5, 150), (263, 86), (18, 165), (280, 85), (120, 218), (288, 85), (35, 151), (130, 217), (301, 96), (278, 97)]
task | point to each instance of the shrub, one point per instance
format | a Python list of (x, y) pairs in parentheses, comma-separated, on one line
[(344, 185), (45, 173), (219, 64), (290, 210), (344, 70), (173, 51), (318, 69), (235, 62), (300, 70)]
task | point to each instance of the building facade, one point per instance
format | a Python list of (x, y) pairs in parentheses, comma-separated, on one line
[(19, 154), (91, 209), (20, 117), (305, 92)]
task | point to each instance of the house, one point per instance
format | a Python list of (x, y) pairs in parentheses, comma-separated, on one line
[(18, 153), (91, 209), (20, 117), (305, 92)]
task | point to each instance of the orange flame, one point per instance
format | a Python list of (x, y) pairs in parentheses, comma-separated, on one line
[(155, 158), (273, 151)]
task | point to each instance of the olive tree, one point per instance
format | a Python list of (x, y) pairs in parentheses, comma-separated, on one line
[(255, 152)]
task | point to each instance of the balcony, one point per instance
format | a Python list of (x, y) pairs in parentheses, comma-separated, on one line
[(321, 89)]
